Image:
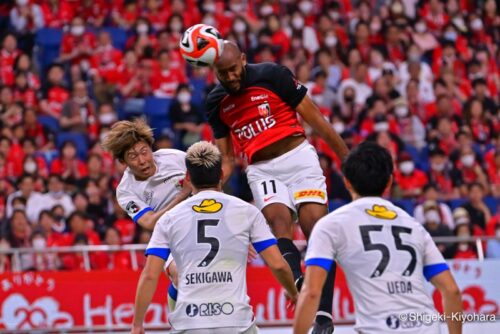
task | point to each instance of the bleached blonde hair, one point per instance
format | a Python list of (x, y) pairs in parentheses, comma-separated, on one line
[(203, 154)]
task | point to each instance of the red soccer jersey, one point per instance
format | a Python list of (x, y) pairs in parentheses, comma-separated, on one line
[(56, 97), (7, 60), (262, 113)]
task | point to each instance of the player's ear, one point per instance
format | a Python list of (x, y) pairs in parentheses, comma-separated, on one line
[(243, 59), (389, 184), (348, 185), (221, 176), (187, 177)]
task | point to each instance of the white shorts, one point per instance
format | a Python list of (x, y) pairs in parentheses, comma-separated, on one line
[(253, 329), (291, 179)]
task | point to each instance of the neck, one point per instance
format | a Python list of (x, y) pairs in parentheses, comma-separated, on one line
[(197, 190)]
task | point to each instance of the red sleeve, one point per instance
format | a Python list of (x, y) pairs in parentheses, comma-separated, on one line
[(56, 167), (82, 169), (66, 44)]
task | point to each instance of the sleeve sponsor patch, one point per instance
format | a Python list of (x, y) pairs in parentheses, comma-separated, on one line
[(132, 207)]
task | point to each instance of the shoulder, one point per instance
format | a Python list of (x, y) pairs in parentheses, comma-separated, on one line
[(169, 152), (125, 182), (216, 95)]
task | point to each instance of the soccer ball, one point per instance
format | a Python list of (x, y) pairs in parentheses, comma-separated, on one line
[(201, 45)]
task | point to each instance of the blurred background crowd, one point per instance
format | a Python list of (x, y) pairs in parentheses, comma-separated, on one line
[(421, 78)]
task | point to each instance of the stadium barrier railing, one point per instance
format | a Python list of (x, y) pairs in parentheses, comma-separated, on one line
[(135, 248)]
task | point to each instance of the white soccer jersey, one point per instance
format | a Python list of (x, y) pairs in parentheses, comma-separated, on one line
[(385, 255), (208, 235), (138, 197)]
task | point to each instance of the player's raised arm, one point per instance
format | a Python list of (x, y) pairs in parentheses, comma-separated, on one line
[(311, 114), (225, 146)]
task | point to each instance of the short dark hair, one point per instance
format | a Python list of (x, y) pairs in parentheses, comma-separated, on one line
[(204, 165), (368, 167)]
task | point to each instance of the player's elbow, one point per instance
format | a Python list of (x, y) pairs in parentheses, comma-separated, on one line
[(279, 266), (311, 293), (451, 292)]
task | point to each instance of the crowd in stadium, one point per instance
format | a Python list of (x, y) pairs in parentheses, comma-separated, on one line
[(420, 78)]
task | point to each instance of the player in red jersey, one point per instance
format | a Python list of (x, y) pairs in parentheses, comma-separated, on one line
[(255, 107)]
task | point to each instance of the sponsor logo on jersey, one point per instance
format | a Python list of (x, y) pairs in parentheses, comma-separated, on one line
[(264, 109), (209, 277), (259, 97), (208, 206), (297, 84), (266, 199), (209, 309), (253, 129), (148, 196), (309, 193), (132, 207), (381, 212), (229, 107)]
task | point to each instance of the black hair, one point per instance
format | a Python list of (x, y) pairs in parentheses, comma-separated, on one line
[(203, 177), (368, 167)]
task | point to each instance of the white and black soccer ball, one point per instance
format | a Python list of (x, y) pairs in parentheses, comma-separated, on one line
[(201, 45)]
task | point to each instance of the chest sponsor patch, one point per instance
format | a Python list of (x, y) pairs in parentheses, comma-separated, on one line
[(132, 207)]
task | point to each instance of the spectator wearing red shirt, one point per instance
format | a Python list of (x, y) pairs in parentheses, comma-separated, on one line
[(54, 94), (464, 250), (441, 175), (165, 84), (68, 165), (8, 55), (279, 39), (47, 221), (32, 162), (125, 13), (469, 169), (23, 92), (116, 260), (395, 44), (377, 119), (479, 121), (77, 46), (409, 180), (56, 13), (105, 61), (156, 13), (435, 16), (94, 12), (23, 64)]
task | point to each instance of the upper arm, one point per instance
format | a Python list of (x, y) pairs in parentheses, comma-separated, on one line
[(225, 145), (159, 244), (433, 261), (219, 128), (321, 249), (445, 282), (132, 205), (306, 106), (286, 86), (260, 234)]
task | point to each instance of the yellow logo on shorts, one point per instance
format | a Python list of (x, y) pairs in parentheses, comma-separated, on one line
[(381, 212), (309, 193), (208, 206)]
